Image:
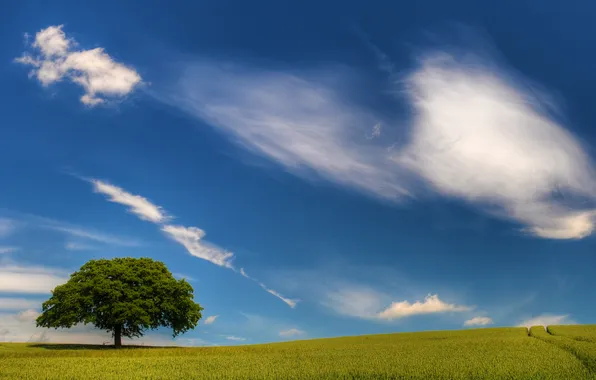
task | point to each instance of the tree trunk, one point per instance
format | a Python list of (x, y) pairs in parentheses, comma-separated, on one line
[(118, 336)]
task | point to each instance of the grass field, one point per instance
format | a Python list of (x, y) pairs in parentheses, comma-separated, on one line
[(499, 353)]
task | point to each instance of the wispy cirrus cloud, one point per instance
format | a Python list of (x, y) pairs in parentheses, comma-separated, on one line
[(478, 321), (140, 206), (288, 301), (190, 238), (475, 133), (5, 250), (97, 72), (293, 119)]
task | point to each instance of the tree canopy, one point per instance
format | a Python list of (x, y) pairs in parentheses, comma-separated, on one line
[(124, 296)]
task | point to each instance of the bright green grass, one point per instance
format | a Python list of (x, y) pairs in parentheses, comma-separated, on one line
[(503, 353)]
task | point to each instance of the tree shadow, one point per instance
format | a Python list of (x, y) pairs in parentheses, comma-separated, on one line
[(58, 346)]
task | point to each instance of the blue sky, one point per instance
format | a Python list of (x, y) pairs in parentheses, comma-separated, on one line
[(312, 169)]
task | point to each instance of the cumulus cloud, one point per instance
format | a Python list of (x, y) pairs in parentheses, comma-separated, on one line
[(136, 204), (547, 320), (30, 279), (210, 319), (291, 333), (431, 305), (478, 321), (94, 70), (476, 134)]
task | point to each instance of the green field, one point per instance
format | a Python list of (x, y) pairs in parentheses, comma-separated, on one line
[(564, 352)]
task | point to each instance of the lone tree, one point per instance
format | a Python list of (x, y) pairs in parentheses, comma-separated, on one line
[(124, 296)]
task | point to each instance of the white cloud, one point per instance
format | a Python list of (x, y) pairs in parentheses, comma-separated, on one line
[(291, 332), (290, 302), (13, 303), (52, 41), (476, 134), (190, 238), (478, 321), (7, 227), (235, 338), (480, 137), (93, 69), (547, 320), (30, 279), (294, 120), (138, 205), (4, 250), (431, 304), (210, 319)]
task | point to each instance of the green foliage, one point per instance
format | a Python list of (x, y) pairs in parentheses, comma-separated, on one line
[(499, 353), (122, 295)]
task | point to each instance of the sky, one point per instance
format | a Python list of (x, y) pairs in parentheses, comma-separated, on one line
[(312, 169)]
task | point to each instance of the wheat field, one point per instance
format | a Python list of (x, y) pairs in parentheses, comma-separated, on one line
[(561, 352)]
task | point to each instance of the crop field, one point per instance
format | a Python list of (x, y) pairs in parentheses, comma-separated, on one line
[(562, 352)]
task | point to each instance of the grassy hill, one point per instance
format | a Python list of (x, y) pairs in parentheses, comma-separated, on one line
[(562, 352)]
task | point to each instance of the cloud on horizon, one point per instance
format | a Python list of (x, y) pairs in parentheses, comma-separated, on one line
[(289, 333), (431, 305), (93, 69), (547, 320), (28, 279), (475, 134)]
